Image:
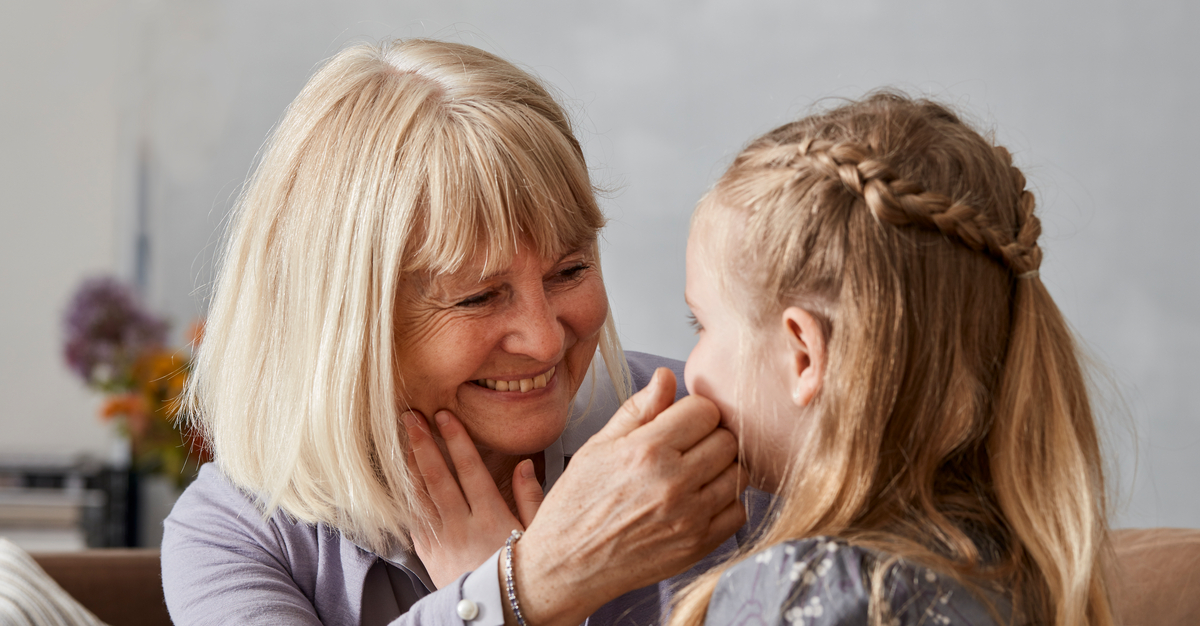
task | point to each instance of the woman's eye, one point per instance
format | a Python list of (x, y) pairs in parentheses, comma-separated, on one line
[(694, 323), (476, 300), (573, 271)]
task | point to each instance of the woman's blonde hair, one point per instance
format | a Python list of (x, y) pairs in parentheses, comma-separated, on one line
[(953, 426), (402, 157)]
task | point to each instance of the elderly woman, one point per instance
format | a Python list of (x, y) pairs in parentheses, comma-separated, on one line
[(409, 339)]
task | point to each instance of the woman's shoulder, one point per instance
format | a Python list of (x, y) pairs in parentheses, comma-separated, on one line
[(214, 516), (642, 366), (213, 502), (822, 581), (217, 538), (210, 492), (224, 560)]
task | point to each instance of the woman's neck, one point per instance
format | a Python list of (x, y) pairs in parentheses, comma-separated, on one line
[(501, 467)]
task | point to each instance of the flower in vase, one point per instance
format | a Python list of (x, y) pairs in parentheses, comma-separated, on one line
[(117, 347), (107, 330)]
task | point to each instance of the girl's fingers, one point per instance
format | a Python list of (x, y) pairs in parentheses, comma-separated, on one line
[(527, 492), (477, 484), (440, 486)]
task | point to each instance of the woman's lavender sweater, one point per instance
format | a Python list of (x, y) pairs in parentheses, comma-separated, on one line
[(224, 564)]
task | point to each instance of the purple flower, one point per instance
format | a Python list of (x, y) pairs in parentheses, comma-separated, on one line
[(106, 330)]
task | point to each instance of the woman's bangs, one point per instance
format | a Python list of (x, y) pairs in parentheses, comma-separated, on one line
[(497, 184)]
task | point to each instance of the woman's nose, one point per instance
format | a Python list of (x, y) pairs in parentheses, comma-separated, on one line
[(536, 330)]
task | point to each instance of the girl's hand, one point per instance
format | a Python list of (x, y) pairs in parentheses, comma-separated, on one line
[(470, 519), (649, 495)]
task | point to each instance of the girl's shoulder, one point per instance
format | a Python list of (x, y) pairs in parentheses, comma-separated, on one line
[(822, 581)]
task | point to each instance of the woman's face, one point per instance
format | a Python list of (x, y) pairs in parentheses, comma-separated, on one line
[(532, 328), (762, 415)]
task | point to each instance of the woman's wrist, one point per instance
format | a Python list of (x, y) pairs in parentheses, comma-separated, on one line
[(510, 588), (548, 589)]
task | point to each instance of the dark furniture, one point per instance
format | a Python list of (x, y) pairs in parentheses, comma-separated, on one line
[(122, 587)]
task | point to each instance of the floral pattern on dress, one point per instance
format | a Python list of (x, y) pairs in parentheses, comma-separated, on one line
[(821, 582)]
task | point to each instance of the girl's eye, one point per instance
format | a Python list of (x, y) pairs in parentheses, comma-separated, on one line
[(694, 323), (476, 300)]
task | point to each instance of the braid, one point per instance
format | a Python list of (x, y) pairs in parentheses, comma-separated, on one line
[(952, 426), (901, 202), (1023, 253)]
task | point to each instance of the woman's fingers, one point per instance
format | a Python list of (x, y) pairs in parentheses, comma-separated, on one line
[(716, 450), (482, 495), (641, 407), (471, 518), (440, 486), (473, 476), (527, 492), (684, 424), (727, 522), (644, 499), (724, 489), (410, 420)]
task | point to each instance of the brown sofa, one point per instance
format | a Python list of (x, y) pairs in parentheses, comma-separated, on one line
[(121, 587), (1155, 580), (1156, 577)]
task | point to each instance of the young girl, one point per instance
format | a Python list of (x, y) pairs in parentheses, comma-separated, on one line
[(872, 326)]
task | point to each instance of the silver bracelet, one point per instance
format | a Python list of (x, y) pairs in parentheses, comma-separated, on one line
[(508, 576)]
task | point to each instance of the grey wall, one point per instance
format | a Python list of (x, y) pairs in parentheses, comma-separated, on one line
[(1094, 98)]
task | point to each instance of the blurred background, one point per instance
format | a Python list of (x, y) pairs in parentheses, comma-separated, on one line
[(127, 128)]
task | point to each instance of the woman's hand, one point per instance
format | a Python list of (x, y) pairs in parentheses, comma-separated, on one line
[(648, 496), (469, 518)]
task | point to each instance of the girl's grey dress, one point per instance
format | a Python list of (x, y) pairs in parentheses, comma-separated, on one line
[(822, 582)]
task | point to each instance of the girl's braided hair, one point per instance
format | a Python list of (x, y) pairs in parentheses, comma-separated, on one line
[(900, 202), (953, 425)]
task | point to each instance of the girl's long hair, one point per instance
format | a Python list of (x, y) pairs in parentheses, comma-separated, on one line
[(953, 426)]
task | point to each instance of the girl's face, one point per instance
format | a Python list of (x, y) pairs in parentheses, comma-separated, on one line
[(751, 390)]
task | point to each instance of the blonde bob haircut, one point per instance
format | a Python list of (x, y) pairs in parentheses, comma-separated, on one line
[(409, 156), (953, 426)]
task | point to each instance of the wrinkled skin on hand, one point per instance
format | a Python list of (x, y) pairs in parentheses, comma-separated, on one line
[(644, 499), (470, 518)]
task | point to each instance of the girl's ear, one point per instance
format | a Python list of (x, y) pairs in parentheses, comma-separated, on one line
[(806, 354)]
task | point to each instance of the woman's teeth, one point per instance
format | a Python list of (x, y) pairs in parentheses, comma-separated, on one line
[(523, 385)]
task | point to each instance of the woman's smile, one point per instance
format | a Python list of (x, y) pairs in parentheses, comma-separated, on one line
[(517, 384), (506, 351)]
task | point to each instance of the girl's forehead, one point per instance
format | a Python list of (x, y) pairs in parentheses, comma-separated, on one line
[(716, 230)]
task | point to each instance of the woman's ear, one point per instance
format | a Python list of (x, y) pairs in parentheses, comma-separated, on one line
[(805, 341)]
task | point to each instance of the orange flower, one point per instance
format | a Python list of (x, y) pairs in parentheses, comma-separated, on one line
[(197, 446), (160, 376), (149, 405), (195, 333), (123, 404)]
